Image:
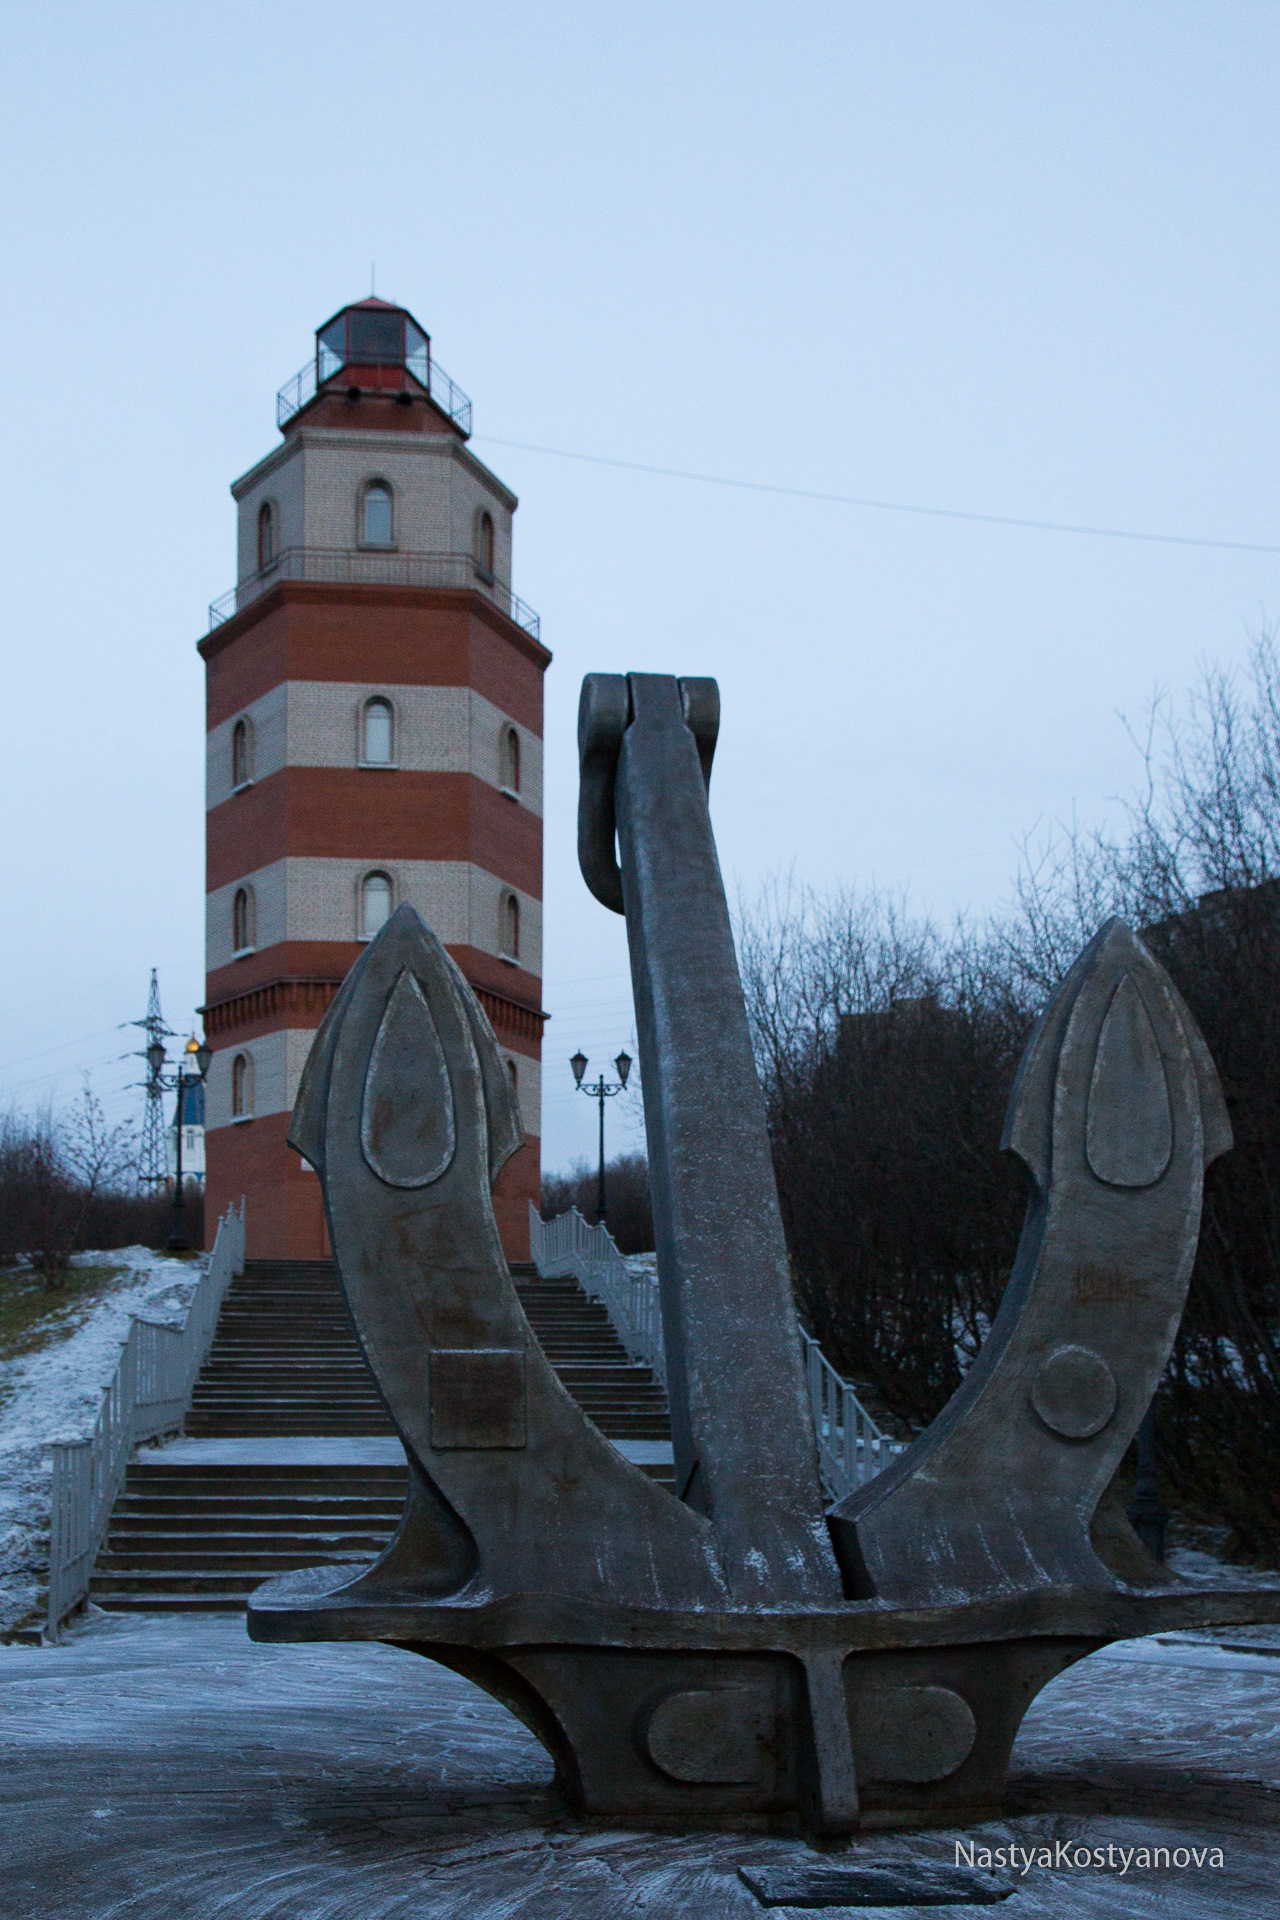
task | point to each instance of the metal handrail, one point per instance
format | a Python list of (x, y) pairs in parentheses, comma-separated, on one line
[(567, 1245), (430, 376), (149, 1395), (361, 566), (852, 1449)]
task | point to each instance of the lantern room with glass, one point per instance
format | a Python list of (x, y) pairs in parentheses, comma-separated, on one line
[(373, 334)]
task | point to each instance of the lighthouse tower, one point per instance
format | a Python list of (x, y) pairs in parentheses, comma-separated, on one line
[(374, 736)]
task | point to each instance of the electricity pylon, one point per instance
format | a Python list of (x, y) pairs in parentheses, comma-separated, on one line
[(153, 1165)]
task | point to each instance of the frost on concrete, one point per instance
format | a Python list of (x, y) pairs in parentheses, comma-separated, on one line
[(169, 1769), (55, 1394)]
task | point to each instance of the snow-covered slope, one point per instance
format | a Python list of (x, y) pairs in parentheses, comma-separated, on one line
[(55, 1394)]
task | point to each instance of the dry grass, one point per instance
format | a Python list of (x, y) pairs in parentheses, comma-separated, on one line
[(32, 1318)]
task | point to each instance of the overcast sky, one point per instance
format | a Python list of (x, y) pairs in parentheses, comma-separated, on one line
[(1006, 259)]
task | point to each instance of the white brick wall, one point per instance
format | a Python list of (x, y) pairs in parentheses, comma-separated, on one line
[(317, 481), (487, 725), (268, 718), (486, 895), (282, 483), (316, 723), (528, 1090), (269, 899), (319, 900), (278, 1060)]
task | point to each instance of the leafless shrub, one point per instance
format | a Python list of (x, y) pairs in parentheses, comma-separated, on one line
[(69, 1181), (627, 1205), (1197, 868), (887, 1049), (886, 1052)]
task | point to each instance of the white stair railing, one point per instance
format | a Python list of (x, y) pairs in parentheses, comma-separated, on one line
[(148, 1396), (567, 1245), (852, 1449)]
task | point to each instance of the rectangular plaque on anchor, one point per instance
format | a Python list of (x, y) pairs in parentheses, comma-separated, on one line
[(477, 1397)]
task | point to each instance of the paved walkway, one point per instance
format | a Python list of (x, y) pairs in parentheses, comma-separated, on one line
[(160, 1769), (292, 1450)]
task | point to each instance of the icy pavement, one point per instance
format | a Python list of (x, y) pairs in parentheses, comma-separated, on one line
[(155, 1769), (351, 1450), (1206, 1570), (55, 1393)]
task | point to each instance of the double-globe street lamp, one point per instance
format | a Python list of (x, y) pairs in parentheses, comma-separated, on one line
[(600, 1090), (178, 1083)]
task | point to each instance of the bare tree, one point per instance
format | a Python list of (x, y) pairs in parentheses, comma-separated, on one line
[(886, 1052), (96, 1157), (1197, 869), (50, 1199), (630, 1211), (69, 1180)]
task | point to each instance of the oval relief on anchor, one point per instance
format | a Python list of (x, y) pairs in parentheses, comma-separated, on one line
[(714, 1736), (1074, 1392), (912, 1733)]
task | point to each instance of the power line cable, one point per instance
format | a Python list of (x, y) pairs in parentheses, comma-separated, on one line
[(888, 506), (7, 1065), (62, 1073)]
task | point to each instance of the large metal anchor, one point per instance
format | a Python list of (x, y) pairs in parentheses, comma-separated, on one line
[(736, 1653)]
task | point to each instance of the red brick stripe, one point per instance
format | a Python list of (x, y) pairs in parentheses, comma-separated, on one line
[(350, 813), (400, 636)]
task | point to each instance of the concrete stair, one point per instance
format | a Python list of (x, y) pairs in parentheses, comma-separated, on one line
[(622, 1396), (189, 1537), (285, 1359), (285, 1369)]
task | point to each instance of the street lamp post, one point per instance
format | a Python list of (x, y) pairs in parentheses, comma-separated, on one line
[(601, 1090), (178, 1083)]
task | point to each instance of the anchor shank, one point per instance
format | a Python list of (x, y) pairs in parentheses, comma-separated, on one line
[(742, 1433)]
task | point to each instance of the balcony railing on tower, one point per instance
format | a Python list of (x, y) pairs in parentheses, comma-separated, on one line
[(358, 567), (412, 370)]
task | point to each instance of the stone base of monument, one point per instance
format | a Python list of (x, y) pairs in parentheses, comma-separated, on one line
[(677, 1720)]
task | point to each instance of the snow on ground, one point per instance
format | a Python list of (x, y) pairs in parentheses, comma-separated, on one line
[(1207, 1570), (54, 1394)]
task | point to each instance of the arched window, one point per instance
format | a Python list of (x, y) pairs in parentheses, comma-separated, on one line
[(484, 545), (266, 535), (242, 1086), (509, 772), (377, 514), (377, 744), (244, 931), (241, 754), (375, 903), (509, 928)]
